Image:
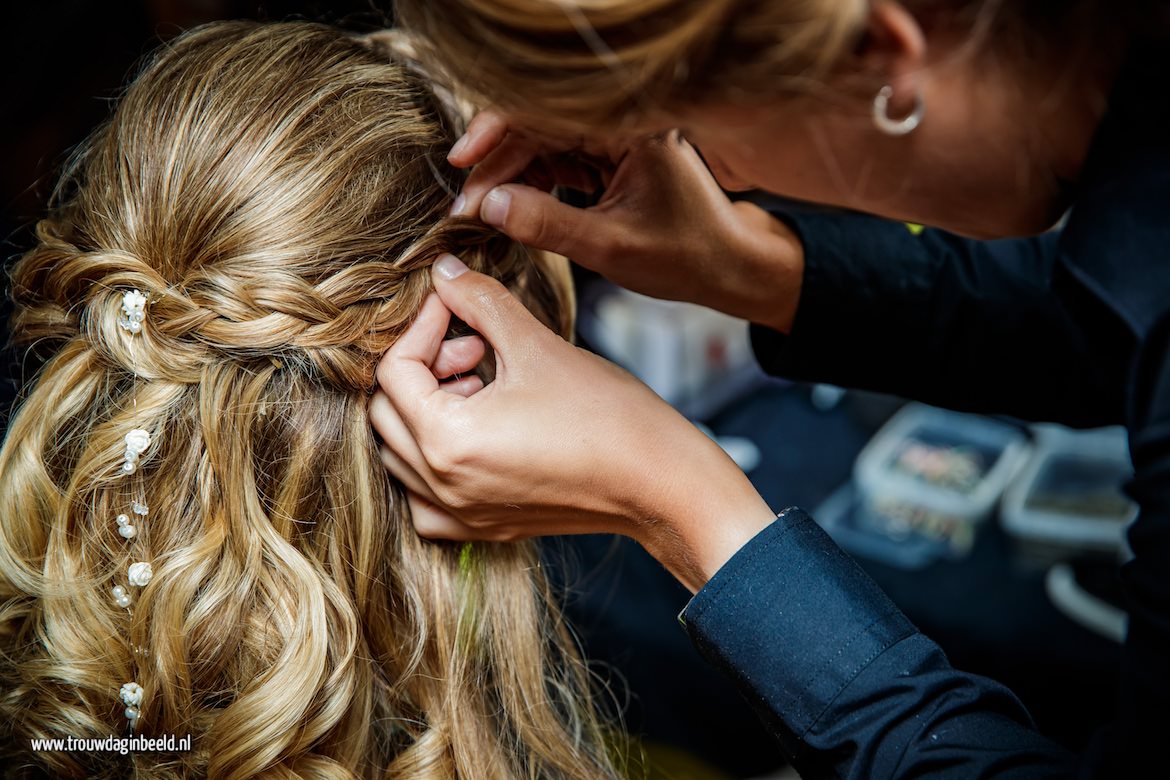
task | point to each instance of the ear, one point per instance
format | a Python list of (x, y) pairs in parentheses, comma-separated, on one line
[(893, 51)]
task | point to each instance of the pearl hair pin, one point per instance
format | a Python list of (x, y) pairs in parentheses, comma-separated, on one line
[(121, 597), (136, 443), (133, 311), (140, 573), (126, 530), (125, 527), (131, 694)]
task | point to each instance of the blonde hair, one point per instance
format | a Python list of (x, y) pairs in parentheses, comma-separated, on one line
[(279, 192), (599, 63), (582, 65)]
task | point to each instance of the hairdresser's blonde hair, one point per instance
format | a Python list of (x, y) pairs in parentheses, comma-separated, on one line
[(280, 192), (581, 66), (588, 64)]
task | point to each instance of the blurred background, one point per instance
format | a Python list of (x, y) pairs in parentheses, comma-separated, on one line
[(1000, 540)]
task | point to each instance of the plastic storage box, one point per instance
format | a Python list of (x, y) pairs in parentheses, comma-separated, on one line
[(1068, 500), (697, 359), (926, 480)]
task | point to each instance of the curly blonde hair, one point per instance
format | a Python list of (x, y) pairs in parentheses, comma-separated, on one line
[(279, 192)]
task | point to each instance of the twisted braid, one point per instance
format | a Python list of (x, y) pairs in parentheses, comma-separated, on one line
[(333, 329)]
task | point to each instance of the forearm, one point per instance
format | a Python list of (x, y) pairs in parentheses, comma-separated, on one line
[(996, 327)]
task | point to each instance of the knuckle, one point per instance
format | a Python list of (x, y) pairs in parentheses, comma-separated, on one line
[(427, 526), (447, 464), (462, 502), (658, 142), (507, 535), (382, 373), (615, 248), (444, 465), (422, 523), (480, 524), (456, 501), (376, 411), (543, 231)]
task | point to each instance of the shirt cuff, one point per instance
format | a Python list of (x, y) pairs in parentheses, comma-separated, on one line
[(793, 620)]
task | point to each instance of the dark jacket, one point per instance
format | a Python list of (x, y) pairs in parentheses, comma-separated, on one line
[(1073, 327)]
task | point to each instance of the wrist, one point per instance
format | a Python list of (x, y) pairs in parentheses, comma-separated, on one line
[(773, 271), (703, 517)]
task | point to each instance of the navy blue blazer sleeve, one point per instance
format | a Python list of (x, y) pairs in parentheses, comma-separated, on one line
[(984, 326), (847, 684)]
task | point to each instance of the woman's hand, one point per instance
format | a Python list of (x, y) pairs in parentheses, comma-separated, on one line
[(561, 441), (663, 226)]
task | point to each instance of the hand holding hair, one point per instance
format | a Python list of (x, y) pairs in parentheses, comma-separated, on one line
[(663, 227), (560, 442)]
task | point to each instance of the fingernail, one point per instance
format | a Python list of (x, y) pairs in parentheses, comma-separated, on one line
[(495, 207), (458, 206), (458, 147), (450, 267)]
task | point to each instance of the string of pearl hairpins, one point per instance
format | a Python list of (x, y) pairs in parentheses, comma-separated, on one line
[(137, 442)]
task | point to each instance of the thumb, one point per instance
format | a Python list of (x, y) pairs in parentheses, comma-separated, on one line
[(486, 305), (538, 219)]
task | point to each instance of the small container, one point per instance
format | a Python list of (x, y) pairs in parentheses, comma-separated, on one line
[(931, 475), (1068, 500), (695, 358), (843, 519)]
